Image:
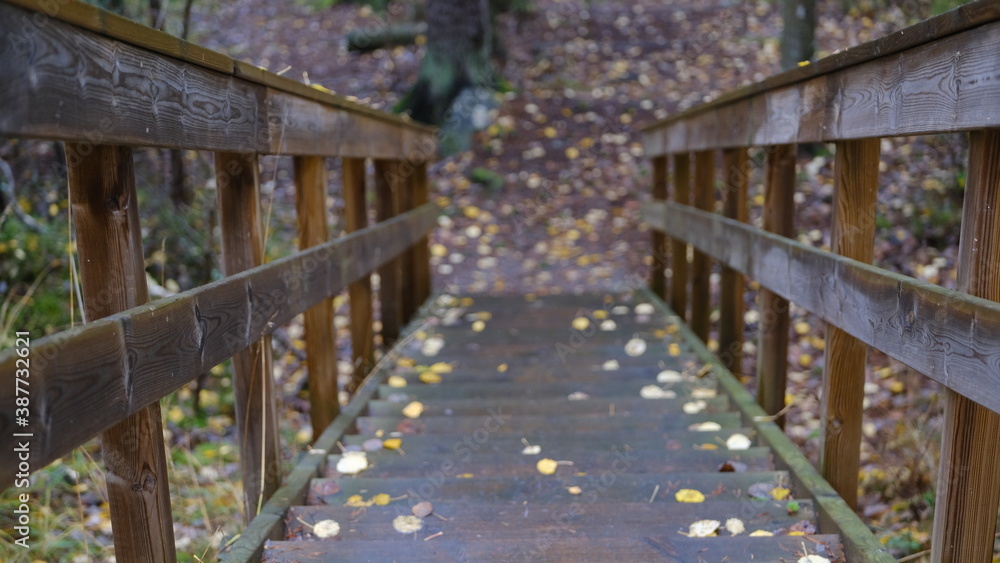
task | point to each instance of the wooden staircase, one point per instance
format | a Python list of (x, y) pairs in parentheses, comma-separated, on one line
[(524, 380)]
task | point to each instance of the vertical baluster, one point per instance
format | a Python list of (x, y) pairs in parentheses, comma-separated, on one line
[(359, 292), (419, 191), (658, 278), (390, 292), (772, 345), (968, 485), (321, 345), (853, 236), (732, 284), (113, 275), (407, 259), (679, 248), (701, 266), (238, 187)]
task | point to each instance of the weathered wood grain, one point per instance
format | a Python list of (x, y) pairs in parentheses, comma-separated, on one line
[(853, 236), (359, 292), (736, 172), (321, 345), (237, 178), (938, 85), (113, 278), (678, 247), (947, 335), (407, 260), (63, 83), (701, 265), (99, 78), (968, 486), (772, 342), (658, 278), (160, 346), (387, 184)]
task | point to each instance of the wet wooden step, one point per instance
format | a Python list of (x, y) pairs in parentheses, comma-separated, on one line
[(527, 520), (669, 548), (624, 487), (393, 463), (621, 405), (474, 443), (500, 422), (595, 389)]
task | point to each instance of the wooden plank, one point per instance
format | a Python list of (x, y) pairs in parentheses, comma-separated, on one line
[(736, 170), (160, 346), (772, 343), (113, 276), (968, 486), (238, 188), (390, 282), (947, 335), (63, 83), (407, 261), (930, 89), (882, 88), (853, 236), (321, 344), (701, 266), (420, 194), (559, 544), (300, 126), (359, 292), (658, 255), (678, 247), (834, 514)]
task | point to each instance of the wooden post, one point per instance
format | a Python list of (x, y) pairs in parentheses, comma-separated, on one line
[(701, 266), (853, 236), (407, 259), (657, 277), (113, 275), (968, 487), (420, 193), (731, 288), (772, 344), (390, 292), (359, 292), (321, 344), (238, 187), (679, 248)]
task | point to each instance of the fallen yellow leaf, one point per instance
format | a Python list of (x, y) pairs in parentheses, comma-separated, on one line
[(780, 493), (546, 466), (430, 378), (396, 381), (413, 410), (392, 444), (381, 499), (689, 495)]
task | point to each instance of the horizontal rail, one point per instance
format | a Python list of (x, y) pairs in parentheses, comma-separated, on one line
[(939, 76), (75, 73), (949, 336), (86, 379)]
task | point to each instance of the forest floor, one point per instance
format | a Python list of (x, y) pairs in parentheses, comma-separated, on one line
[(561, 213)]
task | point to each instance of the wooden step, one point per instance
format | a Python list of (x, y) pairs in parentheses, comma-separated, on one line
[(500, 422), (527, 520), (594, 389), (608, 485), (669, 548), (621, 405), (387, 463)]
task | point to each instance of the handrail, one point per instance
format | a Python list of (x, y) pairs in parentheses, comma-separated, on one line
[(104, 85), (939, 76), (934, 77), (138, 356)]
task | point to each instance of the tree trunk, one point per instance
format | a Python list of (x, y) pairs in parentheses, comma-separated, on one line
[(798, 41), (459, 43)]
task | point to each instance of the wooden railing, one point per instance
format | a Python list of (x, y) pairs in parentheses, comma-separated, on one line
[(940, 76), (104, 85)]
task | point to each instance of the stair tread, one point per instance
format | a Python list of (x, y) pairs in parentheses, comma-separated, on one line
[(553, 405)]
